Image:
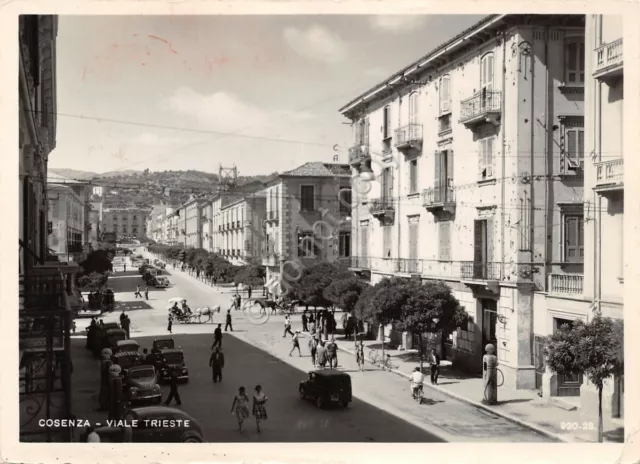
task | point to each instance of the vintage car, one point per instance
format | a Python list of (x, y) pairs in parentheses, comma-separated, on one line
[(143, 269), (106, 337), (172, 426), (126, 359), (327, 386), (126, 345), (140, 385), (161, 282), (160, 344), (172, 359)]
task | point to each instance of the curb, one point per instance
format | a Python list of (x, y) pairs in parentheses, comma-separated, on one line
[(484, 407)]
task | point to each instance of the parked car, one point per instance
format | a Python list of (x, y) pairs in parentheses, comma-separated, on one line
[(143, 269), (172, 359), (327, 386), (141, 385), (126, 360), (127, 345), (160, 344), (176, 427), (162, 282)]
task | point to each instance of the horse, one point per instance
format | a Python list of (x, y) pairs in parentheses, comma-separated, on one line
[(207, 311)]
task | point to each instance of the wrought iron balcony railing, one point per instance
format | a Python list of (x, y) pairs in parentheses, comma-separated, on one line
[(361, 262), (359, 154), (408, 136), (609, 59), (381, 206), (566, 284), (471, 270), (438, 197), (610, 174), (483, 106)]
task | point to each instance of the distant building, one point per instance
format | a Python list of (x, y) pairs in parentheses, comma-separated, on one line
[(307, 221), (97, 191), (241, 229), (126, 223), (66, 216)]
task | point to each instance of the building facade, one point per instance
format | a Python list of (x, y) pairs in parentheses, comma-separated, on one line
[(37, 131), (241, 229), (193, 221), (456, 159), (126, 223), (307, 221), (67, 220)]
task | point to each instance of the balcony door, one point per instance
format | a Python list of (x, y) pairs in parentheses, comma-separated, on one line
[(489, 322), (443, 175), (486, 79), (413, 108), (387, 184), (412, 266), (482, 248), (364, 242)]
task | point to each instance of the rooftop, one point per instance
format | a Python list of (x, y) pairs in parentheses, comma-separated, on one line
[(319, 169)]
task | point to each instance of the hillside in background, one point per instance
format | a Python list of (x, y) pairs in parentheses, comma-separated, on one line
[(145, 188)]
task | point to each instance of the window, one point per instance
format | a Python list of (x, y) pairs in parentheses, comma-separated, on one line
[(486, 158), (573, 147), (573, 237), (362, 132), (135, 217), (413, 108), (445, 96), (413, 176), (345, 201), (386, 123), (443, 175), (307, 198), (387, 184), (574, 61), (307, 246), (386, 239), (486, 73), (344, 244), (444, 241)]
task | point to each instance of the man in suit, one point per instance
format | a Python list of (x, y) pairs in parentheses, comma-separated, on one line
[(173, 389), (434, 361), (216, 363)]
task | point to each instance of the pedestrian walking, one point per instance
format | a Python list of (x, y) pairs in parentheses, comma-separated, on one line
[(173, 389), (123, 315), (144, 356), (249, 291), (216, 363), (240, 407), (313, 347), (238, 301), (287, 326), (321, 355), (305, 327), (217, 337), (332, 353), (126, 326), (360, 355), (259, 409), (296, 343), (146, 292), (138, 294), (434, 362), (228, 324), (125, 267), (170, 323)]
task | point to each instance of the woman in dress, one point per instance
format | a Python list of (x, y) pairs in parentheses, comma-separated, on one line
[(240, 406), (259, 411)]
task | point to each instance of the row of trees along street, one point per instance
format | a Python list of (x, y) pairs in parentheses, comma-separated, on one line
[(594, 349)]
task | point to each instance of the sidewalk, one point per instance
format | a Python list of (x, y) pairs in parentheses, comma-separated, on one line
[(523, 407)]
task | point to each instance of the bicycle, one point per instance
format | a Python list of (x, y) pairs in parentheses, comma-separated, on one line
[(383, 362)]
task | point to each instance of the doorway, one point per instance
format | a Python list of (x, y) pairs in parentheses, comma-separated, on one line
[(489, 322)]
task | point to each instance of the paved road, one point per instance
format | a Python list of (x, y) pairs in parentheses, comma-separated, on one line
[(257, 353)]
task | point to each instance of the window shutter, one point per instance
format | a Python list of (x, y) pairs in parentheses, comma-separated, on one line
[(571, 238), (581, 148), (478, 241), (481, 156), (438, 174), (364, 244), (450, 168), (489, 157), (581, 238), (387, 122), (413, 176), (390, 183), (444, 236), (413, 239), (489, 240), (365, 138), (386, 231)]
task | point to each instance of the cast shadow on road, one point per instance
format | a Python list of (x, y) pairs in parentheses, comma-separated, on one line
[(127, 306)]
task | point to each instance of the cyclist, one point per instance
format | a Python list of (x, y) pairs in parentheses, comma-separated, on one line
[(417, 378)]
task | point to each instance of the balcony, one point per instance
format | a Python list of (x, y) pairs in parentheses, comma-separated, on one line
[(609, 176), (360, 262), (409, 137), (478, 272), (483, 107), (437, 199), (609, 63), (383, 209), (409, 266), (566, 284), (358, 154)]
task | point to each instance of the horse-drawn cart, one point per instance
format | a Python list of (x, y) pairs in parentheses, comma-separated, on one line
[(182, 314)]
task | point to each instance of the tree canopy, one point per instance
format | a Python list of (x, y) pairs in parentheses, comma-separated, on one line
[(309, 288), (250, 275), (97, 261), (345, 291), (93, 281)]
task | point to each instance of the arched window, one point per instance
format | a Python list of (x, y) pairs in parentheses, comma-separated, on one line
[(445, 94)]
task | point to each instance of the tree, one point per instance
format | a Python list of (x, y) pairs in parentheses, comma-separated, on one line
[(345, 292), (93, 281), (430, 308), (97, 261), (312, 283), (382, 303), (250, 275), (594, 349)]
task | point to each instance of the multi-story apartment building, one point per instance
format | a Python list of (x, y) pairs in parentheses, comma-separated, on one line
[(467, 164), (67, 220), (37, 131), (126, 222), (307, 221), (94, 226), (241, 229), (193, 221), (173, 223), (592, 235)]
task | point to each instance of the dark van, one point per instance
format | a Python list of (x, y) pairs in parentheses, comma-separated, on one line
[(327, 386)]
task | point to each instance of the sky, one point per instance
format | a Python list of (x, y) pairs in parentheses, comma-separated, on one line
[(196, 92)]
